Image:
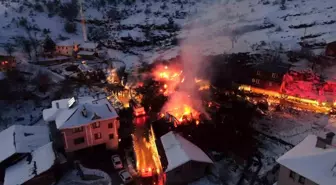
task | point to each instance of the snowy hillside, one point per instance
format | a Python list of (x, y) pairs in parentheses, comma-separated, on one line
[(146, 27)]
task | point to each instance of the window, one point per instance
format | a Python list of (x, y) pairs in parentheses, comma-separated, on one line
[(97, 136), (258, 73), (292, 175), (79, 140), (78, 129), (111, 136), (96, 125), (253, 80), (110, 125), (257, 81), (302, 180), (270, 84), (274, 75)]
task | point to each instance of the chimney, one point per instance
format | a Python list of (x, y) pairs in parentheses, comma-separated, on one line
[(329, 138), (322, 143), (84, 112)]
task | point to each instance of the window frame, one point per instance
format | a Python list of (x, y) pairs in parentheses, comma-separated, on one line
[(292, 174), (274, 75), (96, 125), (110, 136), (302, 179), (99, 136), (78, 129), (258, 81), (110, 125)]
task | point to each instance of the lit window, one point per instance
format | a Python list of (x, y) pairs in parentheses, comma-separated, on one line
[(292, 175), (97, 136), (257, 81), (302, 180), (78, 129), (270, 83), (96, 125), (253, 80)]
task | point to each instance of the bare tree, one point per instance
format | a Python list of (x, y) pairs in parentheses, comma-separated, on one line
[(9, 48)]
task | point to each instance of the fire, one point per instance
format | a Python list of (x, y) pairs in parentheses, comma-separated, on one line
[(184, 113), (170, 76), (295, 102)]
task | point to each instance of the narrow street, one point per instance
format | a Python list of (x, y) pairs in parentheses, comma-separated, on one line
[(148, 164)]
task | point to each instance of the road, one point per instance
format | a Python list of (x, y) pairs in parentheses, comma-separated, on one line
[(147, 159)]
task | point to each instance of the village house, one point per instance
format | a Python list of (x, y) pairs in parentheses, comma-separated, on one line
[(267, 75), (331, 49), (18, 141), (311, 162), (182, 161), (88, 50), (83, 122), (7, 62), (40, 167), (67, 47)]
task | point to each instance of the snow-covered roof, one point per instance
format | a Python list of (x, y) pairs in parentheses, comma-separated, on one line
[(2, 75), (313, 163), (179, 151), (42, 159), (22, 139), (69, 42), (88, 45), (301, 66), (65, 117), (85, 68), (87, 53)]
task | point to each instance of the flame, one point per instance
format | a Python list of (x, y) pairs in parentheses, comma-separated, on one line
[(296, 102), (170, 76)]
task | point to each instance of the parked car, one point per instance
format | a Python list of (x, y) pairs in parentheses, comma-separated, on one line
[(116, 162), (125, 176)]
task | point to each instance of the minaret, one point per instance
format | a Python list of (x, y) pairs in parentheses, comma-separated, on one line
[(83, 21)]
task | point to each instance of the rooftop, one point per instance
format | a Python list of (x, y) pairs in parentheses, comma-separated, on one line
[(40, 160), (273, 67), (179, 151), (69, 117), (69, 42), (22, 139), (86, 53), (315, 164), (88, 45)]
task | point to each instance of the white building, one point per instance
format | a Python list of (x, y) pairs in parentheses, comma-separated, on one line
[(19, 139), (311, 162), (38, 163), (183, 162)]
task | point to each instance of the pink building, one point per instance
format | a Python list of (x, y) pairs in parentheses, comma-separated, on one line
[(83, 122)]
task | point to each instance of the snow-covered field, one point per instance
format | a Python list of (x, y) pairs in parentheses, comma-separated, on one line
[(212, 27)]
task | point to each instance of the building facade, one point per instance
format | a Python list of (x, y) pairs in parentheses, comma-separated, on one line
[(92, 134), (67, 48), (83, 122), (268, 75)]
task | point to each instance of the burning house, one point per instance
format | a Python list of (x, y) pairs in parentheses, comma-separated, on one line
[(83, 122)]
